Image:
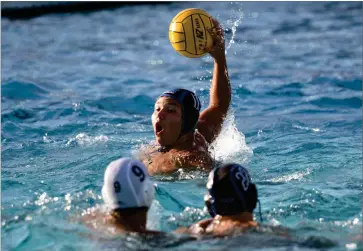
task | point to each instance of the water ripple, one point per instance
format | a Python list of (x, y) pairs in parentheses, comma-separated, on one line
[(354, 102), (78, 91), (10, 90)]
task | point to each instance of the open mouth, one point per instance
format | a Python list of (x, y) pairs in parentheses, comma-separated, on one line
[(158, 128)]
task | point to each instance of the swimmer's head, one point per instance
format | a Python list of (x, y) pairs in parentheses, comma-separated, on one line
[(176, 113), (127, 185), (230, 191)]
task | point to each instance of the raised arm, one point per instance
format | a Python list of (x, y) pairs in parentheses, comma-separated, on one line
[(211, 119)]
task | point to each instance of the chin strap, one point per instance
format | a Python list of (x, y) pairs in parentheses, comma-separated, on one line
[(259, 206)]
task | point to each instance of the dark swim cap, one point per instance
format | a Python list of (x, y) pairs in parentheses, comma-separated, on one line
[(190, 106), (232, 193)]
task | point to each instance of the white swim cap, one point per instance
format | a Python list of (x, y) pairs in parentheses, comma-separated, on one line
[(127, 184)]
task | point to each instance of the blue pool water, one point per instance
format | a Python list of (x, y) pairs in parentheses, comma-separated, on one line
[(77, 91)]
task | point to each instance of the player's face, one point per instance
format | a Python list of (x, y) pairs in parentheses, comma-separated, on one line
[(167, 121)]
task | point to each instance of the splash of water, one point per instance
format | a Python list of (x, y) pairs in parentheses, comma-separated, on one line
[(231, 145), (85, 140), (234, 29), (235, 24), (294, 176)]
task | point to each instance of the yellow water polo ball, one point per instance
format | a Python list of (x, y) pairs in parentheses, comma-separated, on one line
[(188, 32)]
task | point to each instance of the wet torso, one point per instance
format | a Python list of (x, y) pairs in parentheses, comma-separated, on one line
[(162, 161), (221, 228)]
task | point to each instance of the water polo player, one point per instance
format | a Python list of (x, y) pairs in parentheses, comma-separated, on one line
[(128, 193), (181, 131), (231, 199)]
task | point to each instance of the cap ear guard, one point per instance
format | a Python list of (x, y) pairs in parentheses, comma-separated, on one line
[(209, 203), (254, 198), (190, 106), (209, 197), (191, 109), (149, 193), (104, 194)]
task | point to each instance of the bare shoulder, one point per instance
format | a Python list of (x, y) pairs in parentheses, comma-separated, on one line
[(195, 229), (144, 151), (200, 227), (182, 230), (230, 228), (90, 219), (204, 223)]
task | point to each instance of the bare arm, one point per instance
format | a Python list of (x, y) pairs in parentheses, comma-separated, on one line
[(195, 229), (211, 119)]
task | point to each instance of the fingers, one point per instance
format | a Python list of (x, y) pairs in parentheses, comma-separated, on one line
[(217, 34), (217, 26), (216, 31), (204, 48), (215, 22)]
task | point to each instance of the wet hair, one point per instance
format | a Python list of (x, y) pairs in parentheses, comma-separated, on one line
[(190, 106), (122, 212), (232, 192)]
